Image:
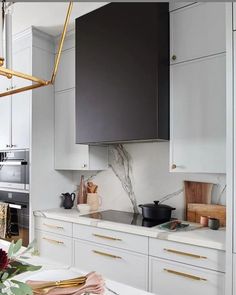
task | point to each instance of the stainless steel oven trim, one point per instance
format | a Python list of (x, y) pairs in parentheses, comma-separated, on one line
[(13, 163), (14, 206), (20, 186)]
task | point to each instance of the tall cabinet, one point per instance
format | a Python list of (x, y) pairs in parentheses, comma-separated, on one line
[(231, 149), (15, 110), (197, 98)]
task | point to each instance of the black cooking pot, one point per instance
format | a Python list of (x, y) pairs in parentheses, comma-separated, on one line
[(156, 211)]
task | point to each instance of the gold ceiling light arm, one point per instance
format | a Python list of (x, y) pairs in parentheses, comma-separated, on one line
[(63, 35), (37, 81)]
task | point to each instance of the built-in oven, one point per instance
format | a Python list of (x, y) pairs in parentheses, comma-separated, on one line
[(14, 170), (18, 227)]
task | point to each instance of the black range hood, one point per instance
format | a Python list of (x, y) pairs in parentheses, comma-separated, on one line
[(122, 74)]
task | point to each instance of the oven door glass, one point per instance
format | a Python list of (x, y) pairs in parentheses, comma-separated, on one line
[(14, 170), (19, 226)]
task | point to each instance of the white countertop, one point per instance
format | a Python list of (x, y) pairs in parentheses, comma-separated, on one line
[(47, 266), (203, 237)]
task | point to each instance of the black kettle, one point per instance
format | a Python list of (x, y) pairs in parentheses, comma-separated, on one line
[(68, 200)]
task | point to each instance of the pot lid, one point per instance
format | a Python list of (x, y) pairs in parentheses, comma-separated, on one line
[(156, 204)]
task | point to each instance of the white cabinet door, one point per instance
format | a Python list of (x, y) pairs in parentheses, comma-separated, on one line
[(234, 16), (21, 102), (5, 122), (198, 115), (197, 30), (54, 247), (5, 114), (66, 71), (68, 154), (127, 267), (168, 278)]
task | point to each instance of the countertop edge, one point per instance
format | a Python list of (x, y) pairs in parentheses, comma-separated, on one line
[(136, 230)]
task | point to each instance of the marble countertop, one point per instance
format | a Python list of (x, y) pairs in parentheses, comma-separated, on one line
[(47, 266), (203, 237)]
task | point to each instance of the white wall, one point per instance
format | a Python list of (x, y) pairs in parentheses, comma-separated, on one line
[(151, 179)]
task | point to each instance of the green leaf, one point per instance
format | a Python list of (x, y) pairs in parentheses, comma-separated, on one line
[(10, 250), (17, 246), (33, 268), (4, 276), (24, 288), (17, 291)]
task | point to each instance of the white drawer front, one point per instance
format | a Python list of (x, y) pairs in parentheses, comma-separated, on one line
[(197, 256), (54, 226), (55, 247), (168, 278), (111, 238), (119, 265)]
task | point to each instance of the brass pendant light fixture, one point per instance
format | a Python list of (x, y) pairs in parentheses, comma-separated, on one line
[(9, 73)]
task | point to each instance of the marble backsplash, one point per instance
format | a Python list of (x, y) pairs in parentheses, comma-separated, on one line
[(139, 173)]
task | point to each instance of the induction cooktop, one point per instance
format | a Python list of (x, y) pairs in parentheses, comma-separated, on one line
[(122, 217)]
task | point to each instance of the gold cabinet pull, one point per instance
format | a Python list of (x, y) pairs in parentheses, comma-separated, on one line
[(185, 275), (106, 254), (185, 253), (53, 241), (53, 226), (106, 237)]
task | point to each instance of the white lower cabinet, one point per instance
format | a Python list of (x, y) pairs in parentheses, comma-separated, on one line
[(168, 278), (55, 247), (111, 238), (188, 254), (158, 266), (120, 265)]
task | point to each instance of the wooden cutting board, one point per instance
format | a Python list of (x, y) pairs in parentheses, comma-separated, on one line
[(195, 211), (197, 192)]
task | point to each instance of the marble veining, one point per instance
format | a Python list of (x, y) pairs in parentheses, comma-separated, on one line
[(139, 174), (120, 163)]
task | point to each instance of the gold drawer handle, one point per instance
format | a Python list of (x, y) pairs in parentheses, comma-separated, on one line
[(185, 253), (106, 254), (53, 241), (106, 237), (185, 275), (53, 226)]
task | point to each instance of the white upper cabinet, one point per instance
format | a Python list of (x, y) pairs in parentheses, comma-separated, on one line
[(66, 151), (68, 154), (5, 122), (198, 89), (5, 114), (21, 102), (198, 116), (66, 71), (234, 16), (196, 31)]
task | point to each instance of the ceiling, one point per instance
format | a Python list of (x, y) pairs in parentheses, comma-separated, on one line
[(49, 17)]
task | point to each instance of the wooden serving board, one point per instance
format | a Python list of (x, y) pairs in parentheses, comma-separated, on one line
[(195, 211), (198, 192)]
